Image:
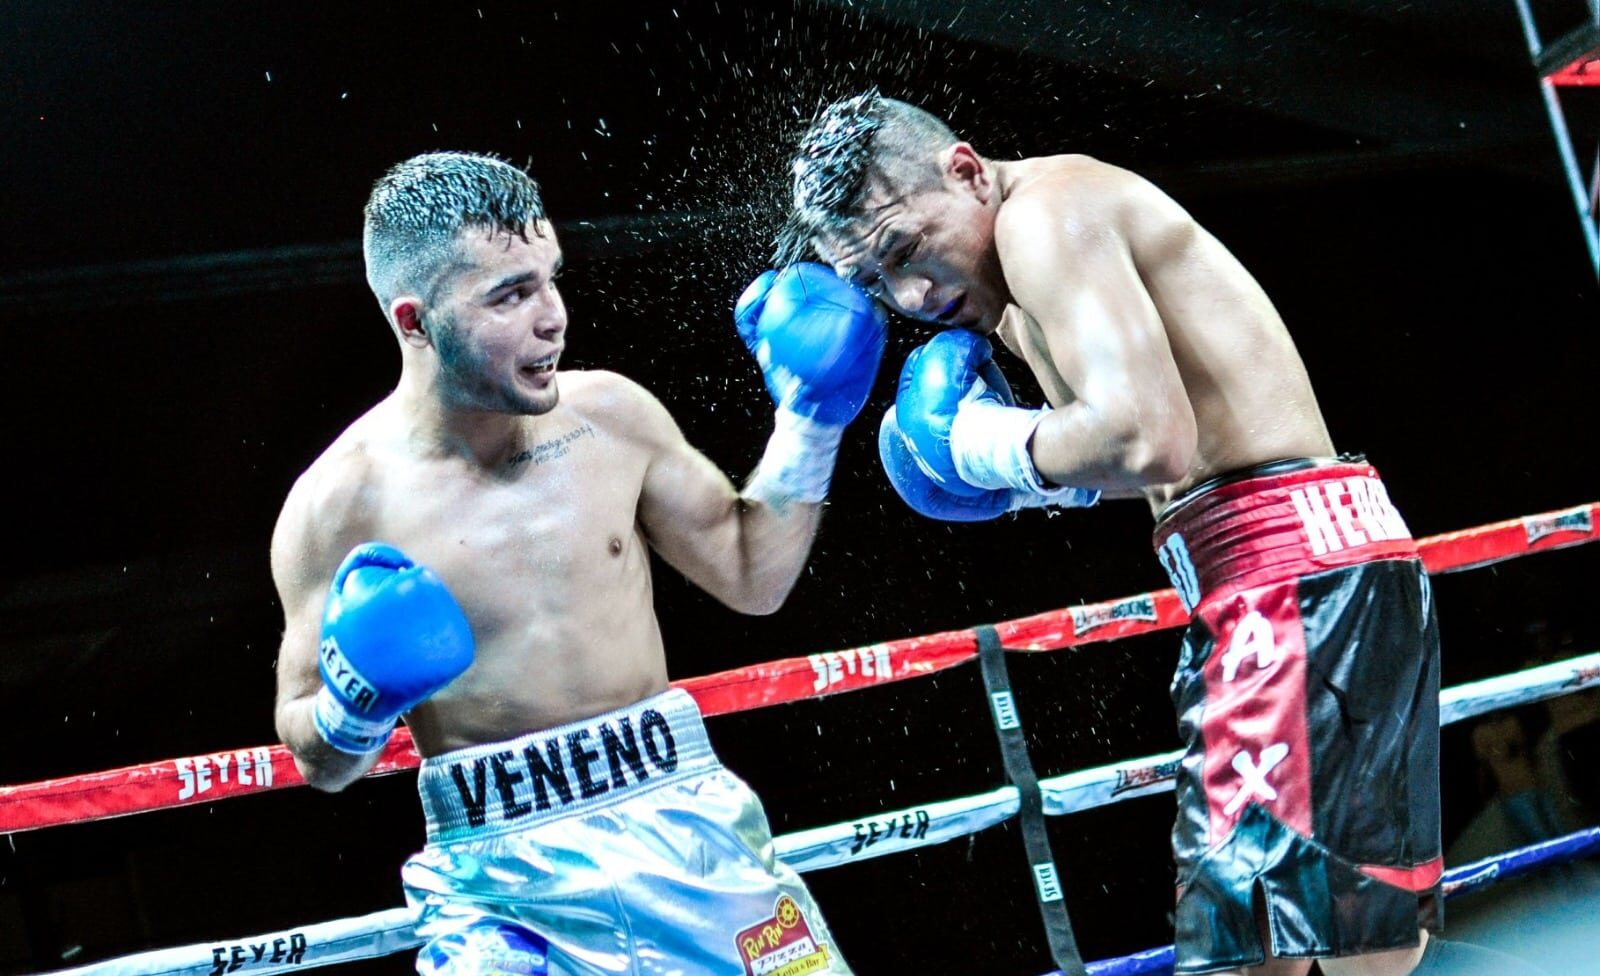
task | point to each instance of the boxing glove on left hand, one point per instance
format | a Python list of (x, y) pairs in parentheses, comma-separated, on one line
[(392, 635), (818, 339)]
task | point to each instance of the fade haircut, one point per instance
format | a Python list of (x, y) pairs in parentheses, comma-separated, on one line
[(851, 144), (419, 208)]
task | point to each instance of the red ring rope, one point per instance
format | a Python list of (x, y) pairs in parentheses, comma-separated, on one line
[(217, 776)]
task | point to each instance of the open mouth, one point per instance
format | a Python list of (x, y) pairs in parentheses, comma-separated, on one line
[(542, 367), (949, 312)]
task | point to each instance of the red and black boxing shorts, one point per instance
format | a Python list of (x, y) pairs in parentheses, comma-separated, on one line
[(1307, 694)]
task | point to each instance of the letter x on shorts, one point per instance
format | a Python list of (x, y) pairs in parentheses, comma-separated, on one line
[(1307, 693), (614, 845)]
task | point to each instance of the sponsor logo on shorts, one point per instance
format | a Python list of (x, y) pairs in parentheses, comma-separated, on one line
[(561, 770), (1578, 520), (201, 774), (1140, 777), (499, 949), (782, 945), (287, 950), (911, 825), (1345, 513), (1174, 556), (834, 667), (1085, 619)]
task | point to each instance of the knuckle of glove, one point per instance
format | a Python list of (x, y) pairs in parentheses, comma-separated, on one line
[(922, 489)]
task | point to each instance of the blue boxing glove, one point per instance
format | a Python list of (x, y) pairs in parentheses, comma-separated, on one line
[(392, 635), (818, 340), (954, 446)]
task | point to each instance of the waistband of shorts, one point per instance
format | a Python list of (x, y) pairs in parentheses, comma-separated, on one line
[(1276, 521), (570, 769)]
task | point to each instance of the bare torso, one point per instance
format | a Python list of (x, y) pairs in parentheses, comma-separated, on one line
[(1245, 381), (545, 556)]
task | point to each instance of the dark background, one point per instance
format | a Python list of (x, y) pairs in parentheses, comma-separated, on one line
[(185, 327)]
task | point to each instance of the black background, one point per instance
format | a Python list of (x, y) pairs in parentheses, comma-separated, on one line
[(154, 419)]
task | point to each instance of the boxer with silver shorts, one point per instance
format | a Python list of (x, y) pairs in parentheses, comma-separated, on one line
[(486, 531)]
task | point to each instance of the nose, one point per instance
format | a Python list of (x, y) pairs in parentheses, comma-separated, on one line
[(909, 294), (551, 320)]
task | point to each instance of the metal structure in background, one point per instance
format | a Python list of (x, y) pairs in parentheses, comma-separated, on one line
[(1572, 61)]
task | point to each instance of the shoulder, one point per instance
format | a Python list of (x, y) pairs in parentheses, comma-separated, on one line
[(617, 403), (1070, 195), (332, 505), (1079, 205)]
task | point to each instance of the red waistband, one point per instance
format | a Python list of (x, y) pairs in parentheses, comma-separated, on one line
[(1257, 530)]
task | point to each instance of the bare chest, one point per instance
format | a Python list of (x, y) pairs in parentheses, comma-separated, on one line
[(1022, 335), (542, 539)]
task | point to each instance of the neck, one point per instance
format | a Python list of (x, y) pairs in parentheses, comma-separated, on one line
[(1006, 175), (437, 427)]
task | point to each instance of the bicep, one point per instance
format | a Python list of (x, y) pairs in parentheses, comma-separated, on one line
[(302, 603), (1103, 332), (319, 524), (687, 506)]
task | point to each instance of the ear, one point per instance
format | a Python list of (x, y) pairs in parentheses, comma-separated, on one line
[(406, 314), (962, 165)]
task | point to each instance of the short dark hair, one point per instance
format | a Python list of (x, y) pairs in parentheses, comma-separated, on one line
[(850, 140), (419, 207)]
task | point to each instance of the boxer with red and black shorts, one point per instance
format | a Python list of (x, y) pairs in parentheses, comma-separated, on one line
[(1308, 685), (1307, 694)]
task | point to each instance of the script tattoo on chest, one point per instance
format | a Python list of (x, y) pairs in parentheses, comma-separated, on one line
[(555, 447)]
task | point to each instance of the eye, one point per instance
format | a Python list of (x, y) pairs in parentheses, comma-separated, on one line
[(905, 256), (512, 297)]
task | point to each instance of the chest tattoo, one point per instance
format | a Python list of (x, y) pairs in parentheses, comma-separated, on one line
[(555, 447)]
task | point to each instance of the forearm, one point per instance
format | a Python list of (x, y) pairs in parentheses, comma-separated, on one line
[(322, 766), (1075, 446), (774, 542)]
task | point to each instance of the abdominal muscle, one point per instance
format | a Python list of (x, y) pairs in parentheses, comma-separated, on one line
[(551, 670)]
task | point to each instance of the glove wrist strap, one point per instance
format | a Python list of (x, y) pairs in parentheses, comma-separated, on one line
[(1062, 497), (989, 445), (345, 731), (798, 463)]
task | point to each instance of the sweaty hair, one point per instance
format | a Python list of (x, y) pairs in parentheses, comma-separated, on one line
[(419, 207), (851, 143)]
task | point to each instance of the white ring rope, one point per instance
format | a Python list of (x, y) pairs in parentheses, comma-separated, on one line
[(390, 931)]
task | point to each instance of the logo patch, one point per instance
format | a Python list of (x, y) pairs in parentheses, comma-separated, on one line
[(1174, 556), (1578, 520), (782, 945), (1085, 619), (1139, 777)]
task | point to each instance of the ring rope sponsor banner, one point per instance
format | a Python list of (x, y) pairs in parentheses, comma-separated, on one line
[(896, 830), (306, 947), (216, 776), (1519, 688), (390, 931)]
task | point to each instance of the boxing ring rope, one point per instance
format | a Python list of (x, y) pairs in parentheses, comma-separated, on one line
[(207, 778)]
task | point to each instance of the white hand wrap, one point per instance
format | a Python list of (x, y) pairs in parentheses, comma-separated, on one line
[(989, 445), (798, 463), (345, 731)]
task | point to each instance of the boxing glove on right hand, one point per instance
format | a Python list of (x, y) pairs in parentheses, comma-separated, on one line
[(392, 635), (950, 379)]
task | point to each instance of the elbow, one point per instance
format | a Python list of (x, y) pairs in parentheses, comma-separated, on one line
[(760, 603), (1163, 457), (322, 778)]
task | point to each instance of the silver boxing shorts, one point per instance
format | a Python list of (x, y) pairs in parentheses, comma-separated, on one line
[(618, 844)]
